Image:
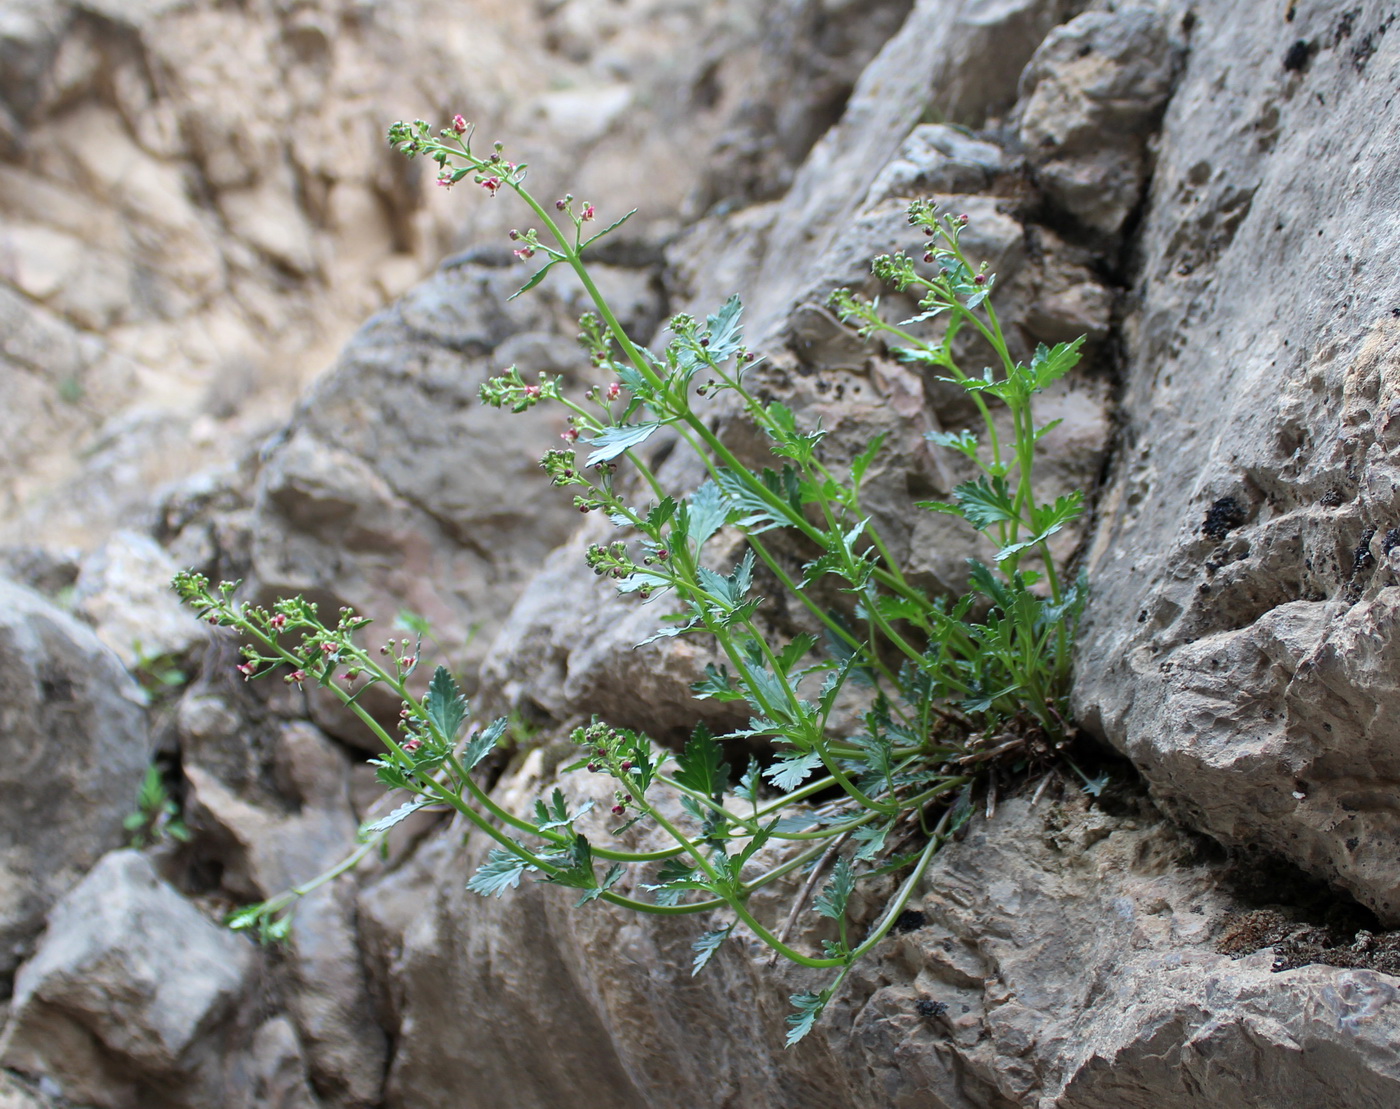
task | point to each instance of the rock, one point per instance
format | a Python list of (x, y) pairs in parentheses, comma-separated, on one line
[(1241, 639), (74, 748), (123, 590), (130, 987), (1048, 952), (268, 841), (1090, 97)]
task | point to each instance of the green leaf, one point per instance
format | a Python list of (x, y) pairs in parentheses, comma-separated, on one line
[(701, 767), (484, 742), (535, 279), (614, 441), (1050, 365), (985, 504), (708, 511), (792, 769), (444, 704), (609, 880), (402, 813), (725, 333), (871, 838), (716, 685), (747, 789), (661, 513), (808, 1008), (795, 651), (831, 902), (501, 871), (556, 813), (610, 227), (861, 462), (965, 442), (706, 946)]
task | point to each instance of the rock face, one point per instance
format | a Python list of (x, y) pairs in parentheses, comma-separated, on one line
[(1204, 188), (131, 983), (1242, 642), (74, 746)]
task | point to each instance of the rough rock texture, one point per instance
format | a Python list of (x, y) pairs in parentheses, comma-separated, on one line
[(1203, 187), (1242, 643), (1062, 957), (130, 983), (199, 205), (73, 748)]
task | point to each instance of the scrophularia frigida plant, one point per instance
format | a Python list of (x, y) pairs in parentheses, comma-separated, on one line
[(950, 689)]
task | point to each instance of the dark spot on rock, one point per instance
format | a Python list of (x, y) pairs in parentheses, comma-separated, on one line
[(1142, 617), (1299, 56), (56, 687), (1331, 499), (927, 1008), (1221, 517), (1353, 843), (1185, 269), (1362, 559), (908, 921), (1391, 540), (967, 1008), (1346, 23)]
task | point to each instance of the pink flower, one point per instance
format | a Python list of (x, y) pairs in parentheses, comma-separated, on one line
[(279, 621), (297, 676), (587, 213), (614, 391), (532, 390), (459, 124), (491, 184), (248, 669), (524, 252), (445, 180), (412, 744), (570, 436)]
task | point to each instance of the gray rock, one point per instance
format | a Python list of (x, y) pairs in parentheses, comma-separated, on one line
[(1241, 641), (1090, 97), (73, 750), (123, 590), (131, 987), (1064, 957)]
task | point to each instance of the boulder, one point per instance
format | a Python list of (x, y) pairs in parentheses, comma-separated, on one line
[(1242, 638), (74, 748), (130, 993)]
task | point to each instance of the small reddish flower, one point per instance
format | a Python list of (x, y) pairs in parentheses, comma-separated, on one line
[(279, 621), (570, 435), (445, 180), (614, 391), (248, 669), (213, 620), (407, 661), (459, 124), (618, 810), (980, 279), (532, 390), (928, 257), (297, 676), (524, 252), (964, 219), (412, 744), (587, 213), (491, 185)]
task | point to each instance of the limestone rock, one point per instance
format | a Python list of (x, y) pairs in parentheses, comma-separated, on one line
[(130, 989), (73, 750), (123, 590), (1091, 95), (1241, 641)]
